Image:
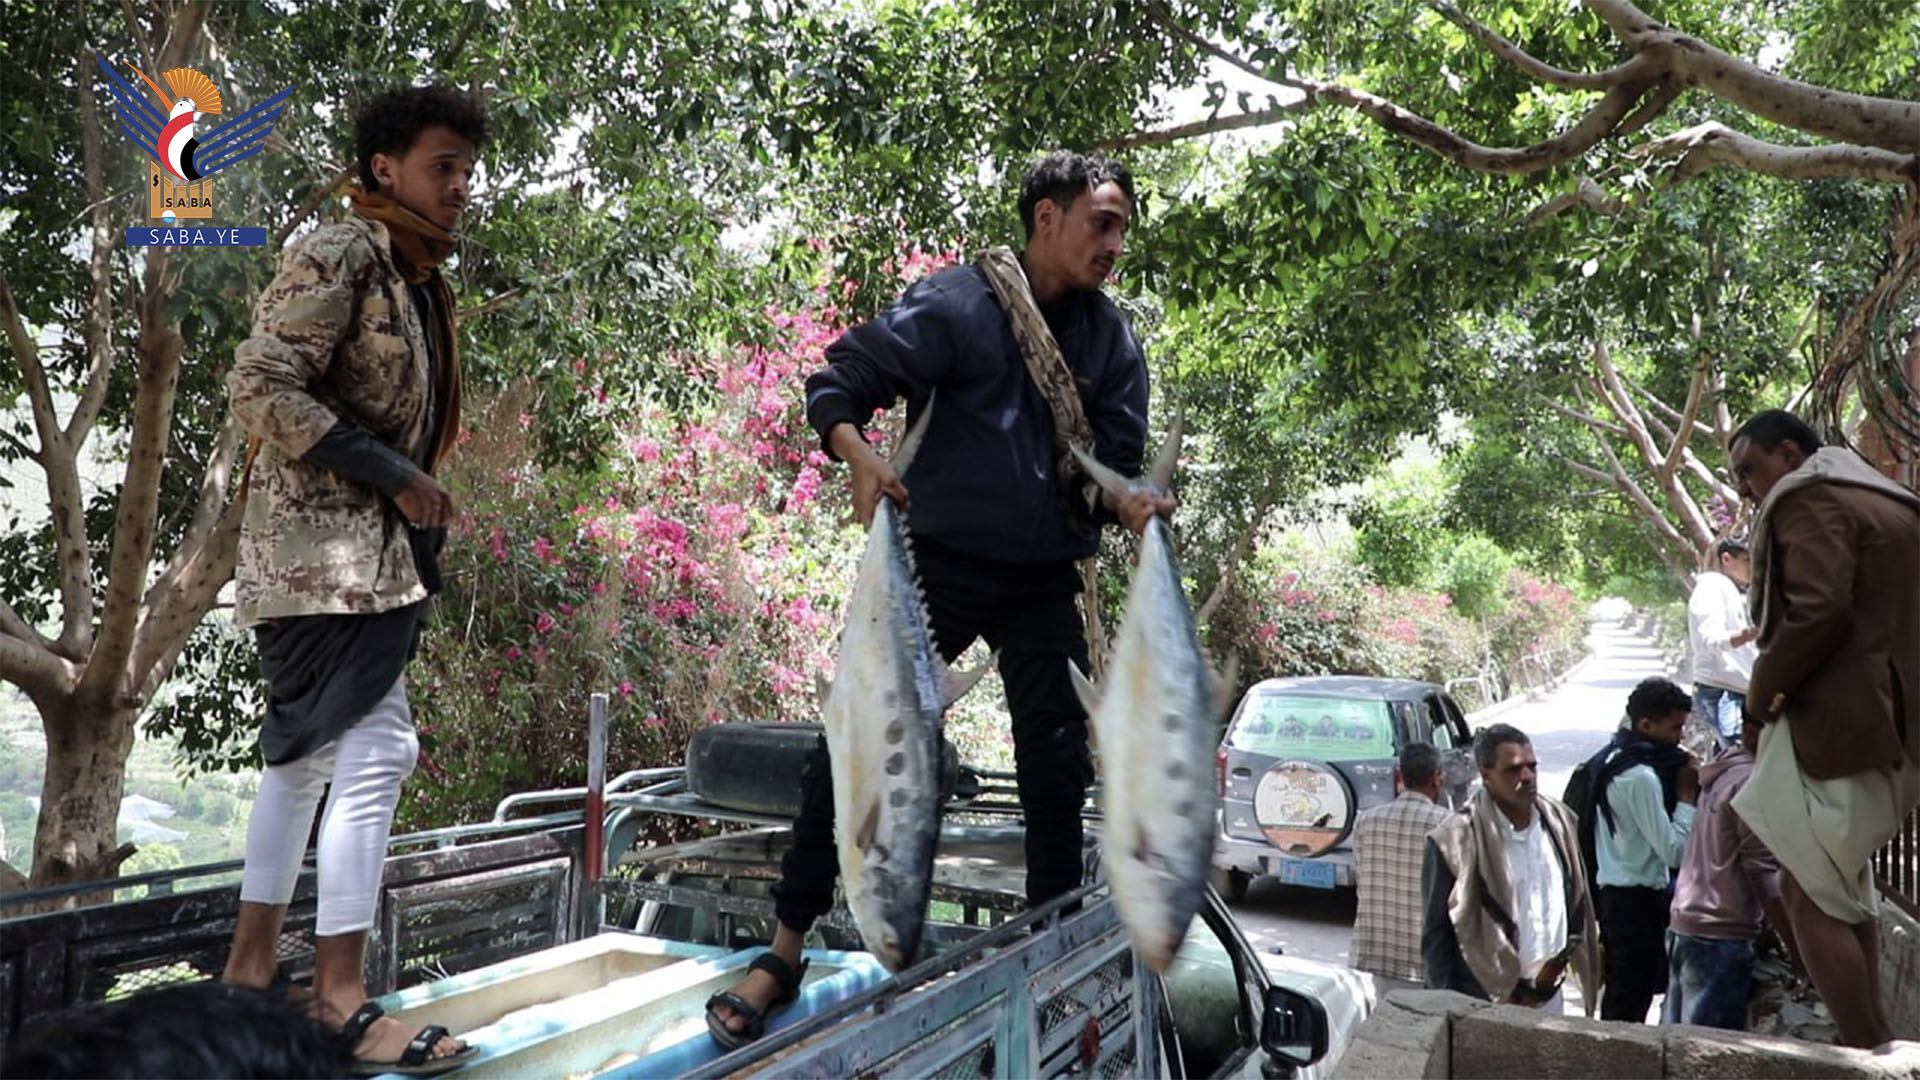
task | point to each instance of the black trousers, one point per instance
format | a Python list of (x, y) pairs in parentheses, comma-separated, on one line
[(1633, 935), (1029, 613)]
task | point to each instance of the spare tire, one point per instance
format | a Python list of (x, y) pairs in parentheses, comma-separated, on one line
[(1305, 807), (756, 767)]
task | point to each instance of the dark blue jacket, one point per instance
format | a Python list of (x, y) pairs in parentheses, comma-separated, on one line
[(983, 480)]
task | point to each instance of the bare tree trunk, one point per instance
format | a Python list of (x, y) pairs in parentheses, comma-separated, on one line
[(77, 838), (92, 681)]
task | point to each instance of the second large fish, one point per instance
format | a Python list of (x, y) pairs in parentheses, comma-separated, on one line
[(1153, 727), (882, 714)]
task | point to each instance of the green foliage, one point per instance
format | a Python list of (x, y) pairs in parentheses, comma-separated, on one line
[(1474, 572), (694, 573), (1302, 611), (662, 177), (1399, 525)]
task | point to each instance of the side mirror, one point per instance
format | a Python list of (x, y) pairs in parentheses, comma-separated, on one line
[(1293, 1027)]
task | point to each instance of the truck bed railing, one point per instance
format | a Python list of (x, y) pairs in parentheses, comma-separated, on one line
[(451, 900), (1076, 979)]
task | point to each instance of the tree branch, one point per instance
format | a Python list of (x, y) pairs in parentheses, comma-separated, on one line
[(160, 347), (1513, 54), (1212, 126), (1598, 476), (1887, 123), (1585, 193), (491, 304), (1236, 555), (12, 625), (1599, 122), (1588, 419), (1158, 13), (99, 333), (1607, 382), (1657, 103), (1627, 84), (33, 669), (56, 458), (1712, 144), (1677, 443), (1664, 473), (320, 194), (19, 447), (1649, 511), (213, 496), (178, 601), (1672, 414)]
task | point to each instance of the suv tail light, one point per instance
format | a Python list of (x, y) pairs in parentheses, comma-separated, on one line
[(1220, 769)]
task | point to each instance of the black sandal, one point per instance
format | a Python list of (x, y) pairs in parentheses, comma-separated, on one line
[(414, 1060), (756, 1019)]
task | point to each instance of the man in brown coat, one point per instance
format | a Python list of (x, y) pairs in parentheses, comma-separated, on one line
[(1836, 597)]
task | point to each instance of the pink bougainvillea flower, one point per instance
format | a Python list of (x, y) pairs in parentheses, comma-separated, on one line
[(543, 622)]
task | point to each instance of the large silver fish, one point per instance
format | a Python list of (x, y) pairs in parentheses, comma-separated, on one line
[(882, 714), (1153, 725)]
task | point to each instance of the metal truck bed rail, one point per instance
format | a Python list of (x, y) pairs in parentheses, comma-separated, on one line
[(1075, 979)]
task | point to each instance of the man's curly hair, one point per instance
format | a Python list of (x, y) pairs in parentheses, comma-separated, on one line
[(1064, 176), (390, 123)]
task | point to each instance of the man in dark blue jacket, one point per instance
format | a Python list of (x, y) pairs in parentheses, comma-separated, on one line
[(995, 537)]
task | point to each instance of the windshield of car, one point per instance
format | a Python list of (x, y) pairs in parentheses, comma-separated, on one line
[(1329, 729)]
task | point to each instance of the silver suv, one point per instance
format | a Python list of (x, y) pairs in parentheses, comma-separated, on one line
[(1302, 757)]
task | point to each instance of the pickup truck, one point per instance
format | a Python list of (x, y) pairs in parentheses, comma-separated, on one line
[(591, 953)]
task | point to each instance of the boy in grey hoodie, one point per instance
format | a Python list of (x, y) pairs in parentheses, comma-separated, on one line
[(1728, 888)]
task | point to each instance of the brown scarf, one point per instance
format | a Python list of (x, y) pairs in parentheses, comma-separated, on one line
[(419, 247)]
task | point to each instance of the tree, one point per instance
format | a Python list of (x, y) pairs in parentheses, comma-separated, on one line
[(102, 599), (1874, 357)]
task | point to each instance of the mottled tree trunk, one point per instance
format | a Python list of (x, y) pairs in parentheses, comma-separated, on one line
[(77, 838)]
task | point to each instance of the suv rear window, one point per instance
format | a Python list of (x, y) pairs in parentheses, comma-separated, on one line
[(1327, 729)]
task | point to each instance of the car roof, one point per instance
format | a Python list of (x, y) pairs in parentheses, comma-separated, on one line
[(1346, 686)]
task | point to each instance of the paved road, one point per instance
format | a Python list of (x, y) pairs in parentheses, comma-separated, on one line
[(1566, 724)]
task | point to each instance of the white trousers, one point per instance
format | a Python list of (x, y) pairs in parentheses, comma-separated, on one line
[(366, 765)]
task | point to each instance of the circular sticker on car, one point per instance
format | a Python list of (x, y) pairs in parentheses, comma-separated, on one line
[(1303, 807)]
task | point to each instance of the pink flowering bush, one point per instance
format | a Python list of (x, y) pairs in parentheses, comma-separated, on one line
[(695, 576), (1297, 612)]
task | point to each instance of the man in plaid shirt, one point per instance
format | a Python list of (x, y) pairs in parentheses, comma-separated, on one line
[(1388, 843)]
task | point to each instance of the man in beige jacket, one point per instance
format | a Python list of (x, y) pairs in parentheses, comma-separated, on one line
[(1508, 911)]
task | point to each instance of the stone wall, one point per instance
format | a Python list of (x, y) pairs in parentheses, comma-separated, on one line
[(1900, 968), (1433, 1033)]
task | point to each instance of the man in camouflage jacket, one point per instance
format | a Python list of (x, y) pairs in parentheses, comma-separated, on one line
[(335, 338), (349, 387)]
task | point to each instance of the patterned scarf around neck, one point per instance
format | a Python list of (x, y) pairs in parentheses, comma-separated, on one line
[(419, 245)]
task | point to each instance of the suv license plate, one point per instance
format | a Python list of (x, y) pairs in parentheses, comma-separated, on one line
[(1316, 875)]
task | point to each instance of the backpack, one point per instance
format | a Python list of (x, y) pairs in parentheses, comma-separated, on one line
[(1579, 799)]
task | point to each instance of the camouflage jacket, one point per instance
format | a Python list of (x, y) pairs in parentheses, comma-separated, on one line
[(334, 338)]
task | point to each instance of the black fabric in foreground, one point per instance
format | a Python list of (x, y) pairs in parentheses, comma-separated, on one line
[(325, 672)]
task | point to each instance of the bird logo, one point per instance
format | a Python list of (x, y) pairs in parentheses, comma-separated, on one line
[(182, 158)]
